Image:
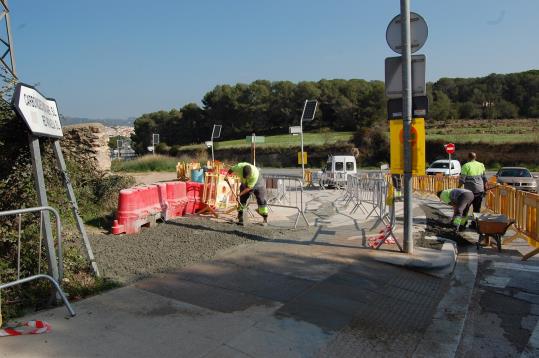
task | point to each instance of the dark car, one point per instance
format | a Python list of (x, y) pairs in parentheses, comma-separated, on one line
[(518, 177)]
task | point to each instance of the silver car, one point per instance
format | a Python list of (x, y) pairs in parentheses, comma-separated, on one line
[(518, 177)]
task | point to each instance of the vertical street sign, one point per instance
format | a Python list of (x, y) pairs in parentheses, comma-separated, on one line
[(405, 37)]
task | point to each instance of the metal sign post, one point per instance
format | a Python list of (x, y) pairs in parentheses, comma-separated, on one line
[(309, 110), (407, 122), (405, 37), (37, 166), (41, 116)]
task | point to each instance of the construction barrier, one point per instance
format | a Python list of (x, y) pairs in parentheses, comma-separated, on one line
[(374, 192), (139, 206), (431, 184), (195, 192), (286, 192), (183, 170), (219, 196), (176, 199), (520, 206)]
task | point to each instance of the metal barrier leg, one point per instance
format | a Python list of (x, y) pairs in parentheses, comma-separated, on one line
[(47, 277)]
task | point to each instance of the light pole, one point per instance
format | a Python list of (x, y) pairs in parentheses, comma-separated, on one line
[(309, 110), (215, 133), (155, 140)]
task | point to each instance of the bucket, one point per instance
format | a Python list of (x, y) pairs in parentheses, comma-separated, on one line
[(197, 175)]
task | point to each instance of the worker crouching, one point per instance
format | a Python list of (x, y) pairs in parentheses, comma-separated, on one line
[(460, 200), (250, 181)]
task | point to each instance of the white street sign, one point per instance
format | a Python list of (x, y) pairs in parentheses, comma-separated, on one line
[(418, 33), (208, 143), (39, 113), (294, 130)]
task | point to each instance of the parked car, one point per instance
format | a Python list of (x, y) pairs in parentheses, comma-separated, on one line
[(518, 177), (442, 167)]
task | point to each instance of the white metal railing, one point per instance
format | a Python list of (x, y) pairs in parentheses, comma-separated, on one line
[(56, 271)]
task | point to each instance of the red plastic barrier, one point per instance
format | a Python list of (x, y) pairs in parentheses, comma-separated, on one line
[(137, 207), (176, 195), (194, 194)]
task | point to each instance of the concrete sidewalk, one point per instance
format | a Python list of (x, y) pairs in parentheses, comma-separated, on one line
[(319, 293)]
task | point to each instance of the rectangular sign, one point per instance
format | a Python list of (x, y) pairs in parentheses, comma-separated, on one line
[(258, 139), (393, 79), (396, 146), (304, 158), (420, 107), (294, 130), (39, 113)]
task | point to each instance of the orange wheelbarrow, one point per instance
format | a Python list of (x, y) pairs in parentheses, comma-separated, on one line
[(492, 226)]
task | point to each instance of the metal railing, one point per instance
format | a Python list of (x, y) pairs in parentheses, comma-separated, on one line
[(286, 192), (371, 191), (56, 271)]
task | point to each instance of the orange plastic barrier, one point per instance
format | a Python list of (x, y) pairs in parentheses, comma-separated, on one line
[(137, 207), (431, 184), (520, 206), (218, 195), (176, 199), (194, 195)]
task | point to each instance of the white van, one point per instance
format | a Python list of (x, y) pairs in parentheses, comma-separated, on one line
[(442, 167), (338, 167)]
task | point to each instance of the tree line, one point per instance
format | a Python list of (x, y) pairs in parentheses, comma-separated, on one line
[(267, 107)]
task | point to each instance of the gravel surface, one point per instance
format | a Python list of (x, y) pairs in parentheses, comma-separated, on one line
[(172, 245)]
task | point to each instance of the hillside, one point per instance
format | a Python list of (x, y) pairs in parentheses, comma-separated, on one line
[(109, 122)]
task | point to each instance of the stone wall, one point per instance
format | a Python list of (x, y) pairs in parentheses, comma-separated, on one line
[(89, 140)]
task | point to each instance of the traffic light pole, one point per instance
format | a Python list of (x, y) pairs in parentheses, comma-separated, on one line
[(407, 123)]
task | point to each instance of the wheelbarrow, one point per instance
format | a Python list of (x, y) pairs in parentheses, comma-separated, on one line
[(492, 226)]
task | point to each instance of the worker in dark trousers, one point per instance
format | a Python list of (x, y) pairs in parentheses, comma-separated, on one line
[(460, 200), (251, 181), (473, 178)]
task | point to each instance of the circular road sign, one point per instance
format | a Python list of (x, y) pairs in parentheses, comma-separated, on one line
[(418, 33), (449, 148)]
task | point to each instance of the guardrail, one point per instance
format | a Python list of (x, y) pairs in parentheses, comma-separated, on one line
[(286, 192), (56, 261)]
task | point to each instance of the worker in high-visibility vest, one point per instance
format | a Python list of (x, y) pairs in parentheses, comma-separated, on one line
[(473, 178), (251, 181), (460, 200)]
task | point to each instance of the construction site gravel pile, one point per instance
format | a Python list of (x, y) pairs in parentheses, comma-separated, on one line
[(172, 245)]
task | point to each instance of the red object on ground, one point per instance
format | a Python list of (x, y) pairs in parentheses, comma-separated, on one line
[(137, 207), (176, 195), (449, 148), (194, 194), (30, 327)]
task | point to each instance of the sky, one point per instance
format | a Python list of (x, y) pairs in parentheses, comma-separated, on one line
[(118, 59)]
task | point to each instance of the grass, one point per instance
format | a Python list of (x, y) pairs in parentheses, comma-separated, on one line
[(147, 163), (282, 140)]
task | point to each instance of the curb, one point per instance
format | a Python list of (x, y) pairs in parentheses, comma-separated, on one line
[(448, 321)]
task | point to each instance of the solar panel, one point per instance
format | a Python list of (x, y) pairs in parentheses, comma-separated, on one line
[(309, 110), (216, 132)]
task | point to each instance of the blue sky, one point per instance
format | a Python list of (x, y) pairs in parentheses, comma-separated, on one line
[(119, 58)]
